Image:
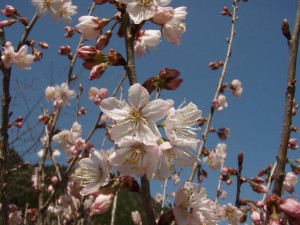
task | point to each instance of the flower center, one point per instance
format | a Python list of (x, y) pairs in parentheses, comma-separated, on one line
[(87, 175), (135, 156), (145, 2), (47, 3), (135, 116)]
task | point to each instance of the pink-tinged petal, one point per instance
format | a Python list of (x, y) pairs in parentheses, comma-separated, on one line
[(114, 108), (117, 157), (139, 48), (138, 96), (138, 13), (156, 109)]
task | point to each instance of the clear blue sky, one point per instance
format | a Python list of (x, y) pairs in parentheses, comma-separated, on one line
[(259, 60)]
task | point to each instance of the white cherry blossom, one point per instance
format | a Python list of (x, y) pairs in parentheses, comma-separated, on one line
[(93, 172), (134, 157), (169, 156), (193, 207), (178, 125), (140, 10), (136, 118), (146, 39)]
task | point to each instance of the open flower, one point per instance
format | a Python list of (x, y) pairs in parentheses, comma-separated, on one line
[(58, 9), (140, 10), (137, 117), (193, 207), (90, 27), (178, 125), (168, 157), (8, 55), (290, 180), (93, 172), (134, 157), (146, 39), (59, 94)]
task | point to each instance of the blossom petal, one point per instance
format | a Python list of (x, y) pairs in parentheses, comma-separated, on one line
[(138, 96), (114, 108), (156, 109)]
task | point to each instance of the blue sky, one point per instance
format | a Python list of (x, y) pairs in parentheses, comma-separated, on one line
[(259, 60)]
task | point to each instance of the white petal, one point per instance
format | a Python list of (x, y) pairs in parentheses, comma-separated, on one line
[(138, 96), (121, 130), (156, 110), (114, 108), (138, 13)]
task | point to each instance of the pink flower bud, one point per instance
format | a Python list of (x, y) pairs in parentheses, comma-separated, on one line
[(10, 11), (6, 23), (87, 53), (50, 188), (54, 180), (101, 204), (293, 144), (97, 71), (19, 119), (103, 40), (64, 50), (18, 124), (43, 45), (215, 65), (223, 133), (70, 31), (290, 206)]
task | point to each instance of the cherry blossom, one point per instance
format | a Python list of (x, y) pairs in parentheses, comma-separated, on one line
[(137, 117), (58, 9), (93, 172), (178, 125), (168, 157), (59, 94), (290, 180), (136, 217), (193, 207), (236, 88), (140, 10), (90, 27), (67, 138), (216, 157), (145, 40), (22, 59), (97, 95), (134, 157), (8, 55), (231, 213)]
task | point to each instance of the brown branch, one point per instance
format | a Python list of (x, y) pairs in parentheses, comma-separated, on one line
[(4, 141), (209, 119), (289, 97), (129, 43), (131, 72)]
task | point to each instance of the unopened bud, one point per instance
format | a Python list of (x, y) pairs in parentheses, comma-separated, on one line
[(285, 28), (226, 12), (6, 23)]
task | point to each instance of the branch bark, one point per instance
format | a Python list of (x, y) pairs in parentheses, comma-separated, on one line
[(289, 98)]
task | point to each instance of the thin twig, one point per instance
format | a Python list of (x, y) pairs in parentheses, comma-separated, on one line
[(207, 128)]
